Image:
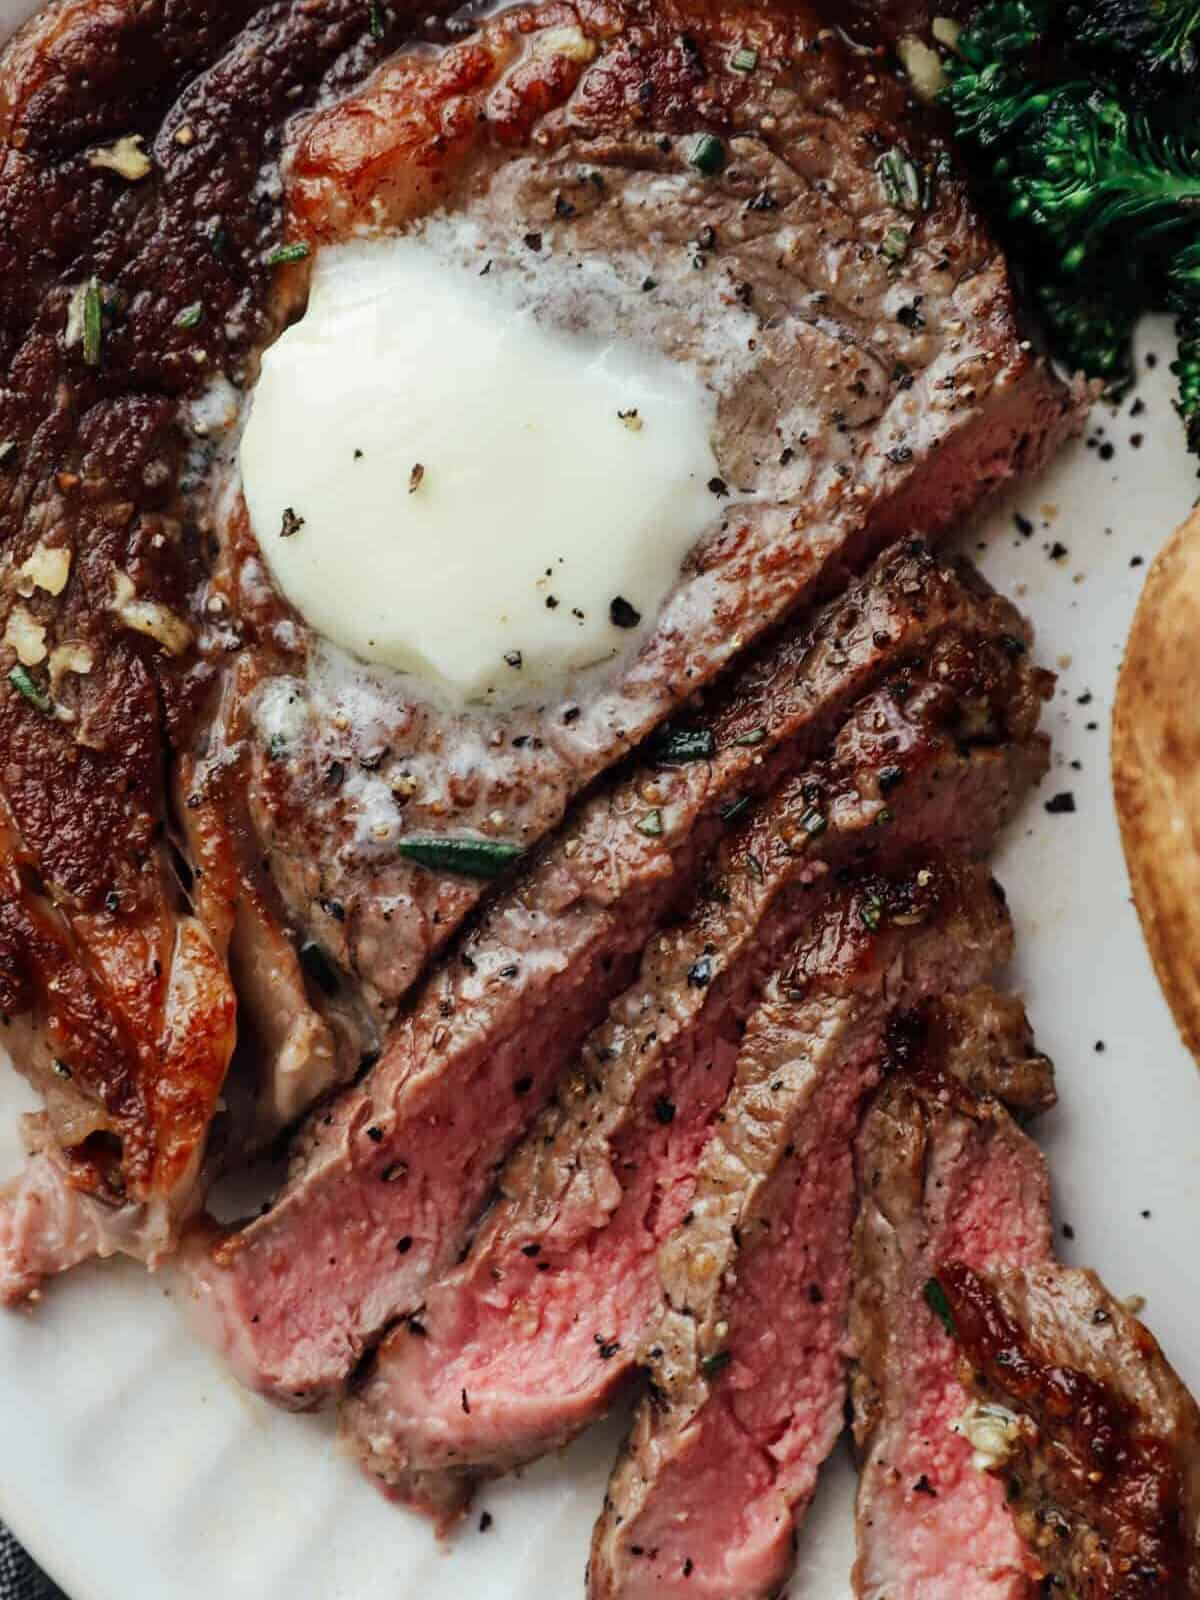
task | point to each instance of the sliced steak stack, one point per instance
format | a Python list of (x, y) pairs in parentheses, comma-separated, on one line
[(387, 1182), (1021, 1432), (746, 1358), (530, 1336)]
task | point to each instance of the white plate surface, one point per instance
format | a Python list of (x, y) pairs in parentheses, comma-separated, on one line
[(135, 1469)]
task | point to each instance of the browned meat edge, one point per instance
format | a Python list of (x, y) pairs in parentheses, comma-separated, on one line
[(1102, 1474)]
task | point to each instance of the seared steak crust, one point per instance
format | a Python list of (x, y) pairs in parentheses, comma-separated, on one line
[(605, 1172), (746, 1359), (1103, 1479), (130, 1005), (410, 1152)]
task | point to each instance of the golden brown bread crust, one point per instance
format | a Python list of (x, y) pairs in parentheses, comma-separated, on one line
[(1156, 771)]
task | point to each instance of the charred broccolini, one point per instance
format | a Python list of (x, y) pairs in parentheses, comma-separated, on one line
[(1081, 122), (1145, 42)]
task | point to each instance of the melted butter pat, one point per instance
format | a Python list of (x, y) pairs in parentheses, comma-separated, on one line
[(447, 480)]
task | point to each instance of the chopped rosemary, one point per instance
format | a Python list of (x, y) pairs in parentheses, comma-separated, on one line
[(744, 60), (284, 253), (651, 825), (21, 681), (93, 327), (755, 736), (813, 822), (713, 1364), (895, 243), (470, 858), (871, 914), (378, 20), (190, 315), (935, 1299), (907, 187), (674, 746), (735, 808), (707, 154)]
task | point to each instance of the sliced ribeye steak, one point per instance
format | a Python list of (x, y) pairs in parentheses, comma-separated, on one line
[(410, 1152), (856, 332), (747, 1356), (507, 1365)]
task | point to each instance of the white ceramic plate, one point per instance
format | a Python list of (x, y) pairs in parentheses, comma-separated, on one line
[(135, 1469)]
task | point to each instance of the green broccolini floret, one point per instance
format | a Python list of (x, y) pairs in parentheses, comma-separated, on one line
[(1090, 328), (1158, 38), (990, 92), (1184, 299), (1093, 178), (1097, 176)]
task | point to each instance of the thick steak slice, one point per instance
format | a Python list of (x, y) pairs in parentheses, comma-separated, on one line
[(943, 1177), (1023, 1434), (409, 1153), (509, 1364), (747, 1357), (859, 343), (1095, 1439)]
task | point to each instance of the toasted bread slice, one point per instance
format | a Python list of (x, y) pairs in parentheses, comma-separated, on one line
[(1156, 771)]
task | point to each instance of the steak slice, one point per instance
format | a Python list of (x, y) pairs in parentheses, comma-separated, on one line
[(747, 1357), (1091, 1432), (943, 1177), (508, 1366), (861, 392), (409, 1153), (1022, 1432)]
